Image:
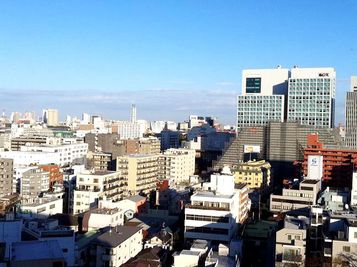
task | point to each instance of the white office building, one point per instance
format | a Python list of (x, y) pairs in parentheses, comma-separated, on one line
[(311, 99), (129, 130), (214, 213), (263, 96)]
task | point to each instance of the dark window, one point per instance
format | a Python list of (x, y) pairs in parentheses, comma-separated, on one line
[(253, 85)]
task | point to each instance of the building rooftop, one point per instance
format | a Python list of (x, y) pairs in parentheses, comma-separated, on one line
[(117, 235), (240, 185), (308, 181), (136, 198), (210, 194), (36, 250), (104, 211)]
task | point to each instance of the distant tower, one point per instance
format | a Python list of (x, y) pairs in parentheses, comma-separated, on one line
[(351, 115), (133, 113)]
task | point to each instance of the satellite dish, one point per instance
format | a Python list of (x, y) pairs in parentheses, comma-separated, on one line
[(347, 207)]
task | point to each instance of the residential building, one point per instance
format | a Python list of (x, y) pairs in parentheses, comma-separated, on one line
[(56, 176), (290, 245), (90, 186), (340, 238), (68, 153), (118, 245), (334, 199), (262, 88), (50, 117), (34, 182), (169, 139), (102, 217), (351, 115), (241, 189), (214, 213), (149, 145), (6, 176), (292, 199), (129, 130), (177, 165), (98, 161), (41, 208), (140, 171), (256, 174), (50, 230), (157, 126), (354, 189), (311, 98), (337, 162)]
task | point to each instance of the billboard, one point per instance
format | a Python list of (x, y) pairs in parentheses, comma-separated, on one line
[(251, 149), (314, 167)]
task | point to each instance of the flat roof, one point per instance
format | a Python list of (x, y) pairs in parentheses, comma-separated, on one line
[(310, 181), (117, 235), (36, 250), (136, 198), (210, 195)]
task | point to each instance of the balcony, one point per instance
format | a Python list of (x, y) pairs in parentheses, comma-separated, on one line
[(188, 206), (291, 258)]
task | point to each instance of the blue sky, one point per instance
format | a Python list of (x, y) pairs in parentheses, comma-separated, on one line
[(171, 58)]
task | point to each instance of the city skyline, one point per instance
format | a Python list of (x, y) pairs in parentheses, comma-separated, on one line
[(182, 57)]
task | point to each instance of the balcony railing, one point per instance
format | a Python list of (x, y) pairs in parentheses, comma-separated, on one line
[(188, 206), (292, 258)]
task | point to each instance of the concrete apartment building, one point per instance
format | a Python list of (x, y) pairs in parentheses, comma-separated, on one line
[(290, 245), (140, 171), (68, 153), (149, 145), (311, 97), (263, 96), (129, 130), (177, 165), (51, 117), (34, 182), (98, 161), (214, 213), (6, 176), (292, 199), (351, 115), (56, 176), (256, 174), (91, 186), (340, 239), (116, 246)]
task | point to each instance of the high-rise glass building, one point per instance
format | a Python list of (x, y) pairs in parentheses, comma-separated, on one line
[(311, 96), (351, 115), (263, 96)]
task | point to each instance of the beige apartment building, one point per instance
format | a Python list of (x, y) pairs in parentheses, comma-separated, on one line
[(177, 165), (290, 248), (91, 186), (140, 171), (6, 176), (256, 174)]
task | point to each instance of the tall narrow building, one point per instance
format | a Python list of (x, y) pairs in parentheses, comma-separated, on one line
[(351, 115), (263, 96), (311, 98), (133, 113), (50, 117)]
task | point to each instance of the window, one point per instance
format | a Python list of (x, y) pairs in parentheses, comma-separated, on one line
[(346, 249), (52, 206), (297, 237), (355, 234), (289, 237)]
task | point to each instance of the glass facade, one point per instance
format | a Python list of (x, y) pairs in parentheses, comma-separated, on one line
[(311, 101), (259, 110)]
